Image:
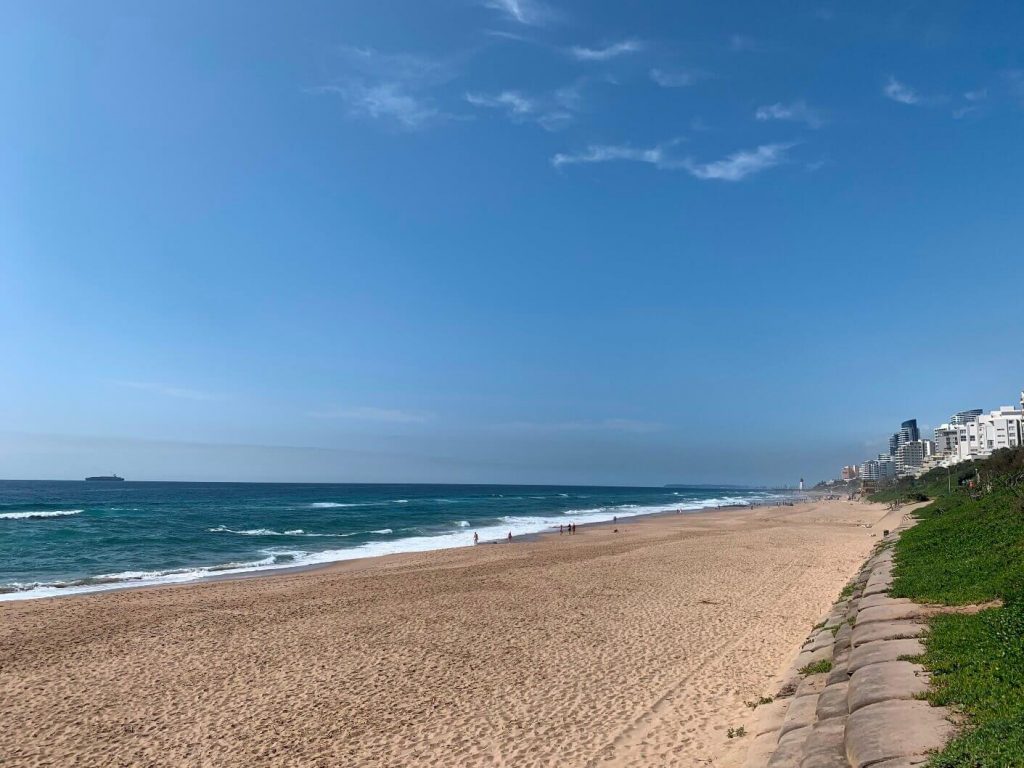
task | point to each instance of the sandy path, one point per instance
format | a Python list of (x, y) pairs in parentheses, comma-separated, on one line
[(602, 649)]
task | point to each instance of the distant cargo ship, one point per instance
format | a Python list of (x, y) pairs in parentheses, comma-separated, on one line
[(109, 478)]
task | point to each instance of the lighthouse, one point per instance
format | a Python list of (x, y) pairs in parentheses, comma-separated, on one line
[(801, 483)]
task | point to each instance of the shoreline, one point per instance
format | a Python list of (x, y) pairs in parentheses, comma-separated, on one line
[(618, 650), (76, 590)]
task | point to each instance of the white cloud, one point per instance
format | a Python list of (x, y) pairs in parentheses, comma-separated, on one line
[(608, 52), (606, 153), (901, 93), (528, 12), (678, 79), (797, 112), (550, 112), (389, 87), (385, 101), (370, 413), (974, 101), (740, 164), (166, 390), (513, 101), (732, 168)]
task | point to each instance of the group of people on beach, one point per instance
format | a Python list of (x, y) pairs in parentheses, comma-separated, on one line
[(569, 528)]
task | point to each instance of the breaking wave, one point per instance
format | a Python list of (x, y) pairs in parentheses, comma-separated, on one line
[(34, 514)]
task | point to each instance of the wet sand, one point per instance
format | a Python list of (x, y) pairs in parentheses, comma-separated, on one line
[(599, 649)]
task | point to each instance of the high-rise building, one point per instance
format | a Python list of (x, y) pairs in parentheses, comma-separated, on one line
[(965, 417), (910, 457), (878, 469), (909, 432)]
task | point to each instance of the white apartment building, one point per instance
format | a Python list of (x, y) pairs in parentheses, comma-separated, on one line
[(1000, 429), (878, 469), (968, 446), (946, 439), (910, 456)]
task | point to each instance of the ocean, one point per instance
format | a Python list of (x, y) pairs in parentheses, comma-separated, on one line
[(59, 538)]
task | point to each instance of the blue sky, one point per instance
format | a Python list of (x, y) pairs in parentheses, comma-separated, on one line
[(502, 240)]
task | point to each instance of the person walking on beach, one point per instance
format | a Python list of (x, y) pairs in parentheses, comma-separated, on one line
[(510, 537), (476, 537), (561, 530)]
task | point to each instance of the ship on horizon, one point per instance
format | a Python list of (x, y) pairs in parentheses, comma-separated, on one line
[(108, 478)]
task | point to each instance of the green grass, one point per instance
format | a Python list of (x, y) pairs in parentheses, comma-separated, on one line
[(963, 551), (977, 665), (817, 668), (971, 550)]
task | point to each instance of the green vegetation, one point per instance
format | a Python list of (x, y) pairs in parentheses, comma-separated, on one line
[(817, 668), (930, 485), (977, 665), (761, 700), (733, 733), (969, 548), (963, 551)]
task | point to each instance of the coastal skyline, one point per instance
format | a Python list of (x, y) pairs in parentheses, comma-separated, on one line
[(501, 241)]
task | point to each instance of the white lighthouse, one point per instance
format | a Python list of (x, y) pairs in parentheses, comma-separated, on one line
[(801, 483)]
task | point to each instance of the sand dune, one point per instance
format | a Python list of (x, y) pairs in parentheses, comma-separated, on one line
[(599, 649)]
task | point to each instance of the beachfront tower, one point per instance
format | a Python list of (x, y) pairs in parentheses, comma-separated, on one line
[(801, 483)]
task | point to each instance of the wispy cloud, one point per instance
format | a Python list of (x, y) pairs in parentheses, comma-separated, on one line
[(513, 101), (166, 390), (370, 413), (385, 101), (389, 87), (526, 12), (609, 153), (974, 100), (611, 51), (549, 111), (901, 92), (735, 167), (797, 112), (676, 79), (741, 164)]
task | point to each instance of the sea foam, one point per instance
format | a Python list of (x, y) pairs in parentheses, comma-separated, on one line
[(497, 529), (33, 514)]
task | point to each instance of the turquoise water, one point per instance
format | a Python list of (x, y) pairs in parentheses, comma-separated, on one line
[(67, 537)]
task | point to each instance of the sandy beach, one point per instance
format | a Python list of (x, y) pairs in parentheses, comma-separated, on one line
[(635, 647)]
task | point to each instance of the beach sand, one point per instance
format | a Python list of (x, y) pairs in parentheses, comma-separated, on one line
[(599, 649)]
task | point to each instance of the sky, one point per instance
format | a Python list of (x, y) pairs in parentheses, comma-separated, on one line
[(503, 240)]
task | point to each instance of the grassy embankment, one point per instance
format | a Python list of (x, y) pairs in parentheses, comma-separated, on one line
[(969, 549)]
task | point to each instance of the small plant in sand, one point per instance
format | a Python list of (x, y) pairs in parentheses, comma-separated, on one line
[(817, 668), (735, 733), (761, 700)]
